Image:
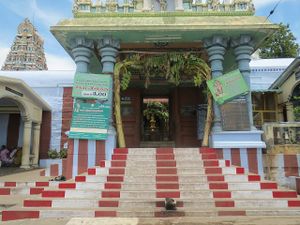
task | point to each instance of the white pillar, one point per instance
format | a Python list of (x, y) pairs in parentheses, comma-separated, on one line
[(36, 143), (179, 5), (26, 144), (147, 5), (290, 112)]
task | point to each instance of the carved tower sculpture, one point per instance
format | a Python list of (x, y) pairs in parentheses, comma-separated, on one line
[(27, 51)]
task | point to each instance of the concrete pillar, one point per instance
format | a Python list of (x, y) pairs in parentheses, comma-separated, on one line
[(243, 48), (179, 5), (36, 143), (147, 5), (82, 50), (108, 49), (216, 48), (290, 112), (26, 144)]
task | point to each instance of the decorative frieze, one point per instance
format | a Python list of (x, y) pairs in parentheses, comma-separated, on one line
[(131, 6)]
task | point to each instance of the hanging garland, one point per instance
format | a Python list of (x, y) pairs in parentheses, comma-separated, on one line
[(171, 66)]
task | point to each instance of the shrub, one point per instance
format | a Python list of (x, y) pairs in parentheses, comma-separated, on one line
[(63, 153), (53, 154)]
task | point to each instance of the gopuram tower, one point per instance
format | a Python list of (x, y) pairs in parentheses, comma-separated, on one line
[(27, 51)]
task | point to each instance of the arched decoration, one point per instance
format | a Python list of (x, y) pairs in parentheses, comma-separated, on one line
[(295, 94), (24, 110)]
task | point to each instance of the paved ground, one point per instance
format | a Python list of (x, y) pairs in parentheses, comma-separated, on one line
[(15, 171), (173, 221)]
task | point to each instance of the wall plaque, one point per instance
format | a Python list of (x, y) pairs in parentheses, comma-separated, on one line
[(235, 115)]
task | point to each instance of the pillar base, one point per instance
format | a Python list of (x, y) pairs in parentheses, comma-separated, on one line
[(25, 167), (237, 139)]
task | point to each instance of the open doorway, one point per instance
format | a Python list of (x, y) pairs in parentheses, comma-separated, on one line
[(156, 119)]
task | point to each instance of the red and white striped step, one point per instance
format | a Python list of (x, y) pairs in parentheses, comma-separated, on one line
[(136, 181)]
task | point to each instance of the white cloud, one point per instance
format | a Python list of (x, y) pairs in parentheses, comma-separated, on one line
[(31, 10), (56, 62)]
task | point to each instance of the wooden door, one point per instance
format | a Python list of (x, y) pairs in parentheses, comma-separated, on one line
[(185, 117), (131, 114)]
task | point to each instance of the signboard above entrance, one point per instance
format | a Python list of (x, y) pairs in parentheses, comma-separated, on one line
[(227, 87), (91, 86)]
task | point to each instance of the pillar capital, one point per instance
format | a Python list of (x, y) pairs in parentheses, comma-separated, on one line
[(216, 40), (82, 49), (78, 42), (108, 49), (108, 41), (243, 40)]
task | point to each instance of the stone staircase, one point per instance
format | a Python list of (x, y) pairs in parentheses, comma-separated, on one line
[(136, 181)]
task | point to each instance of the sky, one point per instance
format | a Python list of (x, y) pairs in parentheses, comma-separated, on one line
[(45, 13)]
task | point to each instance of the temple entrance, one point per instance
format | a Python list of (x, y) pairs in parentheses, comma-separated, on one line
[(162, 117), (155, 125)]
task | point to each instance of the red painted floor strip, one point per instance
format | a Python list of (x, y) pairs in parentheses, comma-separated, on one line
[(166, 178), (110, 194), (169, 213), (210, 163), (267, 185), (53, 194), (10, 184), (42, 184), (166, 171), (116, 171), (240, 170), (36, 191), (232, 213), (112, 186), (105, 213), (253, 178), (108, 203), (111, 178), (220, 186), (91, 171), (224, 203), (213, 170), (207, 150), (167, 186), (294, 203), (164, 151), (284, 194), (4, 191), (119, 157), (120, 163), (121, 151), (17, 215), (37, 203), (165, 157), (80, 178), (215, 178), (222, 194), (209, 156), (167, 194), (170, 163), (67, 185)]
